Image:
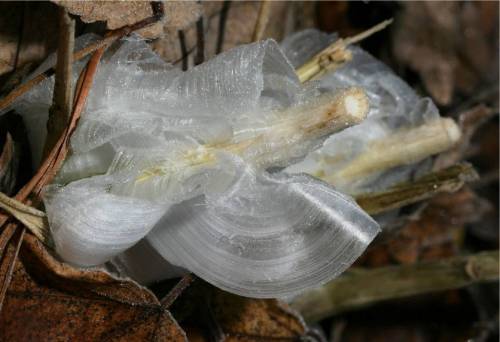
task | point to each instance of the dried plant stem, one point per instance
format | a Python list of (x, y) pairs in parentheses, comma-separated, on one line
[(447, 180), (404, 147), (63, 92), (62, 101), (262, 20), (365, 34), (32, 218), (358, 288), (326, 115), (178, 289), (335, 55)]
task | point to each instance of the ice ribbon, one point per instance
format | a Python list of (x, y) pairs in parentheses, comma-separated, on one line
[(195, 148)]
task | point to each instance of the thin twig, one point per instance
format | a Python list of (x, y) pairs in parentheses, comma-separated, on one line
[(334, 55), (222, 26), (365, 34), (200, 42), (172, 296), (62, 100), (184, 52), (358, 288), (262, 20), (63, 92)]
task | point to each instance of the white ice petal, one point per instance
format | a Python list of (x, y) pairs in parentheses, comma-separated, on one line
[(89, 225), (268, 236), (152, 136)]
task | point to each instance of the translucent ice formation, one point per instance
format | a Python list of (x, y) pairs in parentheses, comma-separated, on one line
[(191, 154), (401, 131)]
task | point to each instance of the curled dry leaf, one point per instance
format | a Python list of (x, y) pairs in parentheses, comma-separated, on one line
[(51, 301), (209, 314), (116, 14), (244, 319)]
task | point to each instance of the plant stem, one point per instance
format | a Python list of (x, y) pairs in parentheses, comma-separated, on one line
[(270, 146), (334, 55), (32, 218), (262, 20), (62, 101), (357, 288), (403, 147), (447, 180)]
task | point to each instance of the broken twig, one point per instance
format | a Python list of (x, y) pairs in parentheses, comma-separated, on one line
[(448, 180), (335, 55)]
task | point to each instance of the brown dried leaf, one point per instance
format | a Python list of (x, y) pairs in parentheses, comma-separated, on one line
[(436, 234), (51, 301), (181, 14), (116, 14), (247, 319), (210, 314)]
